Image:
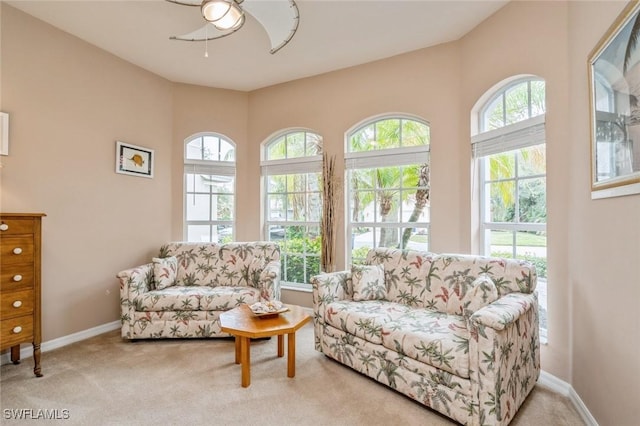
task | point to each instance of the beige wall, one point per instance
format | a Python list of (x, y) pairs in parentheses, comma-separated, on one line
[(69, 102), (604, 252)]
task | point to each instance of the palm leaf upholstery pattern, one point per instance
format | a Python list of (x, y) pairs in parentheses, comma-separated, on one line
[(211, 278), (458, 333)]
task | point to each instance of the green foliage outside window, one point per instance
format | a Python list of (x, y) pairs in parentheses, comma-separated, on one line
[(301, 259)]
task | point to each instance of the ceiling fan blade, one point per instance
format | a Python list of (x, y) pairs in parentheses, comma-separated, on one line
[(278, 17), (186, 2), (208, 32)]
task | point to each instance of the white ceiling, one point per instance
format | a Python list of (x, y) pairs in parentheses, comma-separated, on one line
[(332, 35)]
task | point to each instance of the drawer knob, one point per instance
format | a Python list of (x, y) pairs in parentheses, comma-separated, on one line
[(17, 329), (4, 227), (17, 250), (17, 303), (17, 278)]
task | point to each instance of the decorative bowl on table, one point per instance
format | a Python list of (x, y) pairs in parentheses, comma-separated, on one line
[(268, 309)]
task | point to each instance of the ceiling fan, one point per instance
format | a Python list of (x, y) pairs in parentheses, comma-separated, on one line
[(224, 17)]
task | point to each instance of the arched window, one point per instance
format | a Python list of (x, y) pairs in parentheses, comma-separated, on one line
[(291, 168), (509, 150), (387, 163), (209, 188)]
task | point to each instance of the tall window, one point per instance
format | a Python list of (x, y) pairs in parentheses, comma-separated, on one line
[(387, 164), (511, 158), (291, 168), (209, 187)]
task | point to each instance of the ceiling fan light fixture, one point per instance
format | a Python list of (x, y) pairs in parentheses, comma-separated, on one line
[(223, 14), (280, 19)]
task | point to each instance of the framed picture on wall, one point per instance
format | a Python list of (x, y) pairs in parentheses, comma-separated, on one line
[(614, 85), (134, 160), (4, 133)]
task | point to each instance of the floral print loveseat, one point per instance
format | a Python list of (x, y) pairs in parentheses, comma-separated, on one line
[(457, 333), (183, 291)]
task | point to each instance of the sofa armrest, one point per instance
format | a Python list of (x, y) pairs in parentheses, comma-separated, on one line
[(504, 311), (133, 282), (327, 288), (269, 283), (136, 281), (504, 356), (332, 286)]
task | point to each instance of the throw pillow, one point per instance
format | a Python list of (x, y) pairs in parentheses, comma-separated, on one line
[(483, 291), (165, 270), (368, 282)]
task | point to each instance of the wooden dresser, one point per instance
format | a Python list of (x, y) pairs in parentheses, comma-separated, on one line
[(20, 284)]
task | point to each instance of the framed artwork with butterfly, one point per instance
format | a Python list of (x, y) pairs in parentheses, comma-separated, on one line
[(134, 160)]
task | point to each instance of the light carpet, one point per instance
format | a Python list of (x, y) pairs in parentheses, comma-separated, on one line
[(107, 381)]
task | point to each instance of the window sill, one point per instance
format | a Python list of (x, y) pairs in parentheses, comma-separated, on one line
[(304, 288)]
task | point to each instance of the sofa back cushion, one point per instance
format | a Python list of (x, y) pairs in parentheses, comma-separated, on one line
[(447, 282), (508, 275), (213, 264), (405, 272)]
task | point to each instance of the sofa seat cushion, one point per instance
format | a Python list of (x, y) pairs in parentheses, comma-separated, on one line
[(437, 339), (177, 324), (169, 299), (364, 319), (359, 354), (178, 316), (224, 298)]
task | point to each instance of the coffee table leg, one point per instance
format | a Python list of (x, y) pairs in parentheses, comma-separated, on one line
[(245, 359), (238, 349), (280, 345), (291, 355)]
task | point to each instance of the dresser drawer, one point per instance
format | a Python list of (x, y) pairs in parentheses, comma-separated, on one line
[(16, 303), (16, 330), (16, 277), (14, 250), (11, 226)]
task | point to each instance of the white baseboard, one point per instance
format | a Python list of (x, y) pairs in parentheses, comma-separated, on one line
[(27, 351), (552, 382)]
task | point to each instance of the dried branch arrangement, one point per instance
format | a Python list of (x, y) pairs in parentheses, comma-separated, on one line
[(328, 221)]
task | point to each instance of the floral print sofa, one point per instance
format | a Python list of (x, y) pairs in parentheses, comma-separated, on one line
[(457, 333), (183, 291)]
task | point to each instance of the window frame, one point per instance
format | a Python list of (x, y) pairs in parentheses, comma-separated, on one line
[(401, 157), (509, 139), (298, 165), (488, 225), (207, 167)]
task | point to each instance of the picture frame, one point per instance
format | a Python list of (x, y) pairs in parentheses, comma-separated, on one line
[(134, 160), (4, 133), (614, 108)]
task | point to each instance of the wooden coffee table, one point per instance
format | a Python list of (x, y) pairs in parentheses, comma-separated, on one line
[(244, 325)]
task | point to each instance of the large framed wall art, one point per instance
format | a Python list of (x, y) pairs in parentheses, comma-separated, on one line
[(614, 89)]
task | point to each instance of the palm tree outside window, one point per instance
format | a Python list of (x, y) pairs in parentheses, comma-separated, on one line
[(291, 169), (509, 151), (387, 163)]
